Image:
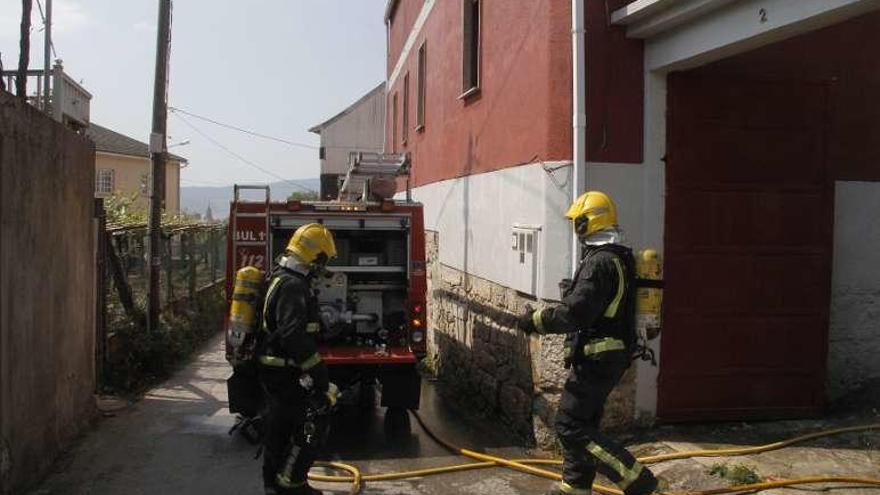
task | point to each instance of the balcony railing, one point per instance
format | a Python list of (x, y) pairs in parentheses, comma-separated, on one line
[(68, 102)]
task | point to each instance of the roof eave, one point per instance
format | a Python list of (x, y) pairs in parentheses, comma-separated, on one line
[(389, 9)]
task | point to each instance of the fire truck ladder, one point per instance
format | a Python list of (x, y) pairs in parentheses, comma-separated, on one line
[(236, 243), (364, 168)]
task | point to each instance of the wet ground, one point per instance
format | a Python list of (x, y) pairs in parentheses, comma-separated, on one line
[(175, 441)]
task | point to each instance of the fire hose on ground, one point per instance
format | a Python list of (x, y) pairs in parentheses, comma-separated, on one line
[(529, 466)]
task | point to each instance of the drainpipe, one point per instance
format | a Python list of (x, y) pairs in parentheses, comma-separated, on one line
[(579, 113), (385, 97)]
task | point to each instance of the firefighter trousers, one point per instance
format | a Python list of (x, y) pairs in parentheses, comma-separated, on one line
[(585, 449), (284, 427)]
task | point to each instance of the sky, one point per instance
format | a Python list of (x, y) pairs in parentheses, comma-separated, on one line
[(276, 67)]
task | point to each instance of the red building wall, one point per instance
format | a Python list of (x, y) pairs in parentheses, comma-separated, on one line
[(615, 87), (523, 111), (838, 56), (402, 16)]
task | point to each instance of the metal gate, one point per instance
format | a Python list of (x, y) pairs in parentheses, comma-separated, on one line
[(749, 231)]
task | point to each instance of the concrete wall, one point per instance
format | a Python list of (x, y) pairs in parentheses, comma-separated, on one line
[(855, 298), (47, 290), (130, 171), (482, 361), (476, 215), (360, 128), (736, 28)]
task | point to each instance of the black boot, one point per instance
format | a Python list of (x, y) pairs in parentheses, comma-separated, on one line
[(645, 484)]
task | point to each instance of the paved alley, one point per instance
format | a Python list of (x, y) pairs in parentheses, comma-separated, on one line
[(175, 441)]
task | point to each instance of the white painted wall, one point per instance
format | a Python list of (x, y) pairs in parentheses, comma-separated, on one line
[(362, 128), (639, 193), (854, 340), (475, 217)]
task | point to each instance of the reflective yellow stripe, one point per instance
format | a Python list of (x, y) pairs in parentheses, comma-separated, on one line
[(285, 482), (274, 361), (627, 475), (611, 310), (249, 284), (313, 327), (603, 345), (538, 320), (272, 286), (310, 362), (566, 488)]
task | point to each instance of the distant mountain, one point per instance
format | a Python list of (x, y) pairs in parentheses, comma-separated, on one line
[(197, 199)]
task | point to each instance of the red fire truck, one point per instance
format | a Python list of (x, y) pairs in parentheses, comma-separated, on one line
[(376, 287)]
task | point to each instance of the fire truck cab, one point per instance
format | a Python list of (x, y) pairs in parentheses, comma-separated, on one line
[(373, 298)]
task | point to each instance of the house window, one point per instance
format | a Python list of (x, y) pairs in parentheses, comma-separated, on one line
[(420, 105), (105, 181), (322, 153), (470, 47), (394, 123), (404, 132)]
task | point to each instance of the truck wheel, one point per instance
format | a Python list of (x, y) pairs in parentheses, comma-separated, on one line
[(401, 386), (397, 423)]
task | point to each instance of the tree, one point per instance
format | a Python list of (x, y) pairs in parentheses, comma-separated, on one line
[(303, 196)]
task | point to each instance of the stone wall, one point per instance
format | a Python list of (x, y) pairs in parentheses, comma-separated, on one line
[(486, 367), (47, 290)]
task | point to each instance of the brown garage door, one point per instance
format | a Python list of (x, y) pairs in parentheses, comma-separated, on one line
[(749, 215)]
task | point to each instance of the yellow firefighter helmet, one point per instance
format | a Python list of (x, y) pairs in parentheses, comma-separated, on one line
[(591, 212), (312, 243)]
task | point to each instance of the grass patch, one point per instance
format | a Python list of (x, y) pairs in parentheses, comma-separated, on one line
[(737, 474)]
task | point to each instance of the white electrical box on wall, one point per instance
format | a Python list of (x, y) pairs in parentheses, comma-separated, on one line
[(524, 256)]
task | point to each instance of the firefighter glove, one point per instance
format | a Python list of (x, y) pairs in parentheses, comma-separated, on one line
[(524, 322), (332, 394)]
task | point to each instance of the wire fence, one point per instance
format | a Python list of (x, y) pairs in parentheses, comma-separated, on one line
[(192, 258), (192, 262)]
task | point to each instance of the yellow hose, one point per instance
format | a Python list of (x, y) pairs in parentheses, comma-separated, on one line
[(527, 465)]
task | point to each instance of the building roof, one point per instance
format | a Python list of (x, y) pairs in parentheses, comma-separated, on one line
[(318, 128), (110, 141), (389, 9)]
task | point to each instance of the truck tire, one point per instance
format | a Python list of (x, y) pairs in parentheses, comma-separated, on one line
[(397, 423), (401, 386)]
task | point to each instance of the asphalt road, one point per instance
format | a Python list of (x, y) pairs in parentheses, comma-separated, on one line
[(175, 441)]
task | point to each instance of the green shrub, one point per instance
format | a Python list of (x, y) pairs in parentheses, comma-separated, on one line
[(139, 359)]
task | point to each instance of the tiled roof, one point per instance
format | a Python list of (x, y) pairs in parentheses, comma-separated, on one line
[(113, 142)]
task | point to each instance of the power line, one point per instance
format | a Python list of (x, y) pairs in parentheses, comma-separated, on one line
[(246, 131), (236, 155), (266, 136)]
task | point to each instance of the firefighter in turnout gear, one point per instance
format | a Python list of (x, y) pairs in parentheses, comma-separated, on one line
[(290, 368), (597, 314)]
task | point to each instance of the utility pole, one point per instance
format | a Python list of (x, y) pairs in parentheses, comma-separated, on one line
[(47, 51), (157, 151), (24, 48)]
